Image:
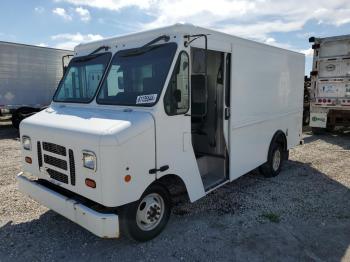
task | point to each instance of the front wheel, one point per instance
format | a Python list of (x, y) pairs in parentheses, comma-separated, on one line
[(146, 218)]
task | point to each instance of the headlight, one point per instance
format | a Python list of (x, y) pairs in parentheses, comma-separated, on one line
[(26, 143), (89, 160)]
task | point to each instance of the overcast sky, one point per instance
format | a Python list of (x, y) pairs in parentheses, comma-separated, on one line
[(66, 23)]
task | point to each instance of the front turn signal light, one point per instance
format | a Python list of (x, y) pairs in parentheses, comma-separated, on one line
[(90, 183)]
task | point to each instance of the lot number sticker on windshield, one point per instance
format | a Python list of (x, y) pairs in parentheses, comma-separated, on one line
[(146, 99)]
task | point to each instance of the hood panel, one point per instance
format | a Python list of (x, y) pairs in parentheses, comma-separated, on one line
[(93, 124)]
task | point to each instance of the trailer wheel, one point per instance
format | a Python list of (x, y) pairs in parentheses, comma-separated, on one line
[(306, 118), (275, 159), (145, 219), (21, 113), (318, 130), (16, 120), (330, 128)]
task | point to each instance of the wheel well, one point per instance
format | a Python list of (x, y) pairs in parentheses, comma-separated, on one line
[(174, 184), (280, 138)]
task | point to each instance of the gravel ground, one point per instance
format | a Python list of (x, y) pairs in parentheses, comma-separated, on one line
[(303, 214)]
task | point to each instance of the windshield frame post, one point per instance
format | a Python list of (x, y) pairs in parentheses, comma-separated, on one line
[(186, 44)]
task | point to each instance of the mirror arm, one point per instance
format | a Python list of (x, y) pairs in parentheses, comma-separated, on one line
[(64, 67)]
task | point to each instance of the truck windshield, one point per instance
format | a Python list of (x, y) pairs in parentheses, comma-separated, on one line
[(82, 78), (136, 76)]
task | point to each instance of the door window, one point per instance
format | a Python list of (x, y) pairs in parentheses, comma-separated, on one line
[(176, 100)]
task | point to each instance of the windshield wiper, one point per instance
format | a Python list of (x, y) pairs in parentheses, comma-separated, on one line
[(139, 51), (166, 38), (147, 47), (87, 58), (105, 47)]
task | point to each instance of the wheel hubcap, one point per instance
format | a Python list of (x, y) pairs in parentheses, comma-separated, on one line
[(276, 161), (150, 212)]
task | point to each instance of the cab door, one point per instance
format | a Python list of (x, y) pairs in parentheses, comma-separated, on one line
[(174, 149)]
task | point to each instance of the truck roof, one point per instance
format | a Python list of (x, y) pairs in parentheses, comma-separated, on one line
[(329, 38), (173, 29)]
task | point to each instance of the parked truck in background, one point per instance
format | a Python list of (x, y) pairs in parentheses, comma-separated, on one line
[(29, 76), (306, 113), (330, 83)]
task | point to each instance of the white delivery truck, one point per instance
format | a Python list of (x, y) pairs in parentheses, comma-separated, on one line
[(330, 83), (136, 115), (29, 76)]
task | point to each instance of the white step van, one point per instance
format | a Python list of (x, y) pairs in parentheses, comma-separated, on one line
[(137, 115)]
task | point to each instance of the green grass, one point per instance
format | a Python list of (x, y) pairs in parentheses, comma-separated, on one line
[(272, 217)]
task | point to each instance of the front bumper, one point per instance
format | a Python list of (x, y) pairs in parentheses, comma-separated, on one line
[(100, 224)]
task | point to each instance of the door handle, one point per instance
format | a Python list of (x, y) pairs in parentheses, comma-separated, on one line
[(227, 113), (161, 169)]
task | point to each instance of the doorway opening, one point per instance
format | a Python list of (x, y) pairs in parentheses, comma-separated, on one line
[(208, 86)]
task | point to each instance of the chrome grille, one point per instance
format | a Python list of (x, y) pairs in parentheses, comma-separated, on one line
[(53, 148), (53, 161), (40, 156), (64, 166), (71, 167), (57, 175)]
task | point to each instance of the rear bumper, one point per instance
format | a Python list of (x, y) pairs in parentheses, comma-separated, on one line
[(100, 224)]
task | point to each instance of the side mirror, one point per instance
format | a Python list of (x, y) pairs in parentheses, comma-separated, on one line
[(177, 95)]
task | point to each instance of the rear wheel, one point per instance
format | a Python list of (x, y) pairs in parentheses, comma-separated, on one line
[(318, 130), (16, 120), (20, 114), (306, 117), (276, 156), (146, 218), (330, 128)]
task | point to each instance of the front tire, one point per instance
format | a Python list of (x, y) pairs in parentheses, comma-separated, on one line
[(274, 162), (145, 219)]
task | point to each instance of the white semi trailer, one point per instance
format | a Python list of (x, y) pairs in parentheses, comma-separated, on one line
[(330, 83), (29, 76), (136, 115)]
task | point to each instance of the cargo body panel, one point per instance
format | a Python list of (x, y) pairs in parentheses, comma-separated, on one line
[(29, 75)]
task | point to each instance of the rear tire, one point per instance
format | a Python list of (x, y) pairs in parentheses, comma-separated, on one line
[(21, 113), (275, 159), (306, 118), (330, 128), (16, 120), (318, 130), (146, 218)]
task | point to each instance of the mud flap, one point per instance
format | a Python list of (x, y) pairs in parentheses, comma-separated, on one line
[(318, 120)]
